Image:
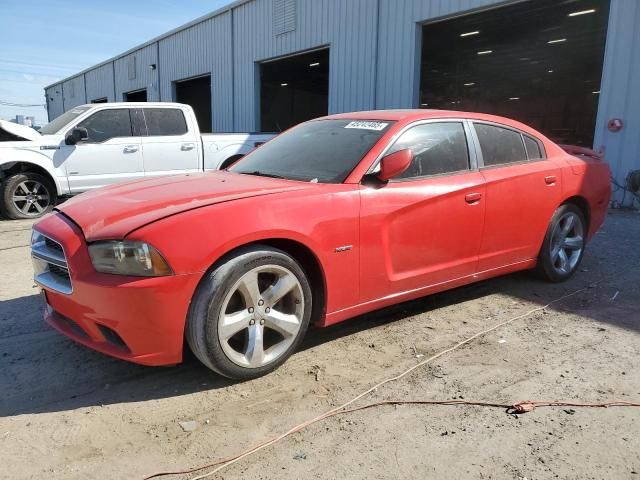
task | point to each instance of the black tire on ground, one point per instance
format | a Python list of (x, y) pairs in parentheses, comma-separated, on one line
[(206, 308), (44, 197), (546, 268)]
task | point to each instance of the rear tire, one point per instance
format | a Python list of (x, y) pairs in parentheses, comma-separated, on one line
[(563, 245), (249, 313), (27, 195)]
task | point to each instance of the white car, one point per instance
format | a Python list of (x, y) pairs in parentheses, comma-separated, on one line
[(94, 145)]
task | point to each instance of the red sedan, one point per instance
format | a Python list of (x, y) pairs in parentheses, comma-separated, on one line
[(333, 218)]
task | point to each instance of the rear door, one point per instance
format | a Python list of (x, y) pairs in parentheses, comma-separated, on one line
[(424, 228), (171, 144), (523, 191), (112, 153)]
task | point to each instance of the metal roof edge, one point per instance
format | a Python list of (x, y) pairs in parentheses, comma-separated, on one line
[(203, 18)]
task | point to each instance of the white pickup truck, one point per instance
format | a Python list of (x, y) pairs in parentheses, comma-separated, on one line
[(95, 145)]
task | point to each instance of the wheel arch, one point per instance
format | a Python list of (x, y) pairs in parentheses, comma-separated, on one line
[(581, 203), (304, 255), (9, 169)]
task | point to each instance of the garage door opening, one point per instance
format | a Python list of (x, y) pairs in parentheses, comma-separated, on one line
[(538, 62), (136, 96), (197, 93), (293, 90), (100, 100)]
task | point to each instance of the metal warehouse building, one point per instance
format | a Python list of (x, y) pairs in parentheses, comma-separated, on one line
[(570, 68)]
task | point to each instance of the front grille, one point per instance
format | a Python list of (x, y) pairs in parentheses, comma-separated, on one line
[(113, 338), (59, 271), (53, 245), (50, 264), (71, 325)]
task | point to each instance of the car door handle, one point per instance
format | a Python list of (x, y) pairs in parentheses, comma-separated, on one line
[(130, 149), (185, 147), (472, 197), (550, 180)]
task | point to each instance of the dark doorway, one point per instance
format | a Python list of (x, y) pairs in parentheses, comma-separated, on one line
[(136, 96), (294, 89), (539, 62), (100, 100), (197, 93)]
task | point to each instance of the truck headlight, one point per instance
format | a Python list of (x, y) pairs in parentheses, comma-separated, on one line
[(128, 258)]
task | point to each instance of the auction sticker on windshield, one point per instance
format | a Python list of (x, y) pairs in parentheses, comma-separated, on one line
[(378, 126)]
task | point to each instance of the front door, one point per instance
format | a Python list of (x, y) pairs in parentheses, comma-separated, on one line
[(425, 227), (111, 153)]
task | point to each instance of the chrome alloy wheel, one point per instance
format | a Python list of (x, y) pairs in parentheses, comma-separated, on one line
[(567, 243), (31, 198), (261, 316)]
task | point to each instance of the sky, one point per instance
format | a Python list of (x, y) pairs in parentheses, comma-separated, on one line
[(44, 41)]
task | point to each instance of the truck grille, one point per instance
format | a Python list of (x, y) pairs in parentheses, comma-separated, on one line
[(50, 264)]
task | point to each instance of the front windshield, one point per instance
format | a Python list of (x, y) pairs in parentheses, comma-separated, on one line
[(57, 124), (323, 151)]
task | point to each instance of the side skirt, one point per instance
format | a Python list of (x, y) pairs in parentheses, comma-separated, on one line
[(344, 314)]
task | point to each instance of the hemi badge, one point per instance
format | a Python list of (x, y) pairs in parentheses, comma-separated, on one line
[(343, 248)]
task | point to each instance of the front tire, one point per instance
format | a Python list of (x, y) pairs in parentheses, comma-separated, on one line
[(249, 313), (27, 195), (563, 245)]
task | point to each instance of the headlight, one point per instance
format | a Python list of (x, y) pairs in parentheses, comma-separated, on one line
[(128, 258)]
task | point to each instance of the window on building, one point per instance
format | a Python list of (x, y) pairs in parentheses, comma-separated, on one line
[(499, 145), (107, 124), (437, 148), (165, 121)]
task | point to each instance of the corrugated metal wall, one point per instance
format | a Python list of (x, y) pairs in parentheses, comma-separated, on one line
[(133, 72), (99, 83), (55, 107), (73, 92), (374, 61), (204, 48), (348, 28), (620, 91)]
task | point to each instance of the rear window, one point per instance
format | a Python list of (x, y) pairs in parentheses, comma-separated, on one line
[(165, 121), (499, 145), (533, 148)]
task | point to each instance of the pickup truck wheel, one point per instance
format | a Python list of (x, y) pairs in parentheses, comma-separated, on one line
[(563, 245), (249, 313), (27, 195)]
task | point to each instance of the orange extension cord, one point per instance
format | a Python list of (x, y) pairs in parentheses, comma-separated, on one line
[(517, 408)]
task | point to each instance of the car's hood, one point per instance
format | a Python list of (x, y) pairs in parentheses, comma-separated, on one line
[(115, 211), (21, 131)]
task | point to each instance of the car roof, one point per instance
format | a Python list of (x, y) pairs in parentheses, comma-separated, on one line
[(412, 115)]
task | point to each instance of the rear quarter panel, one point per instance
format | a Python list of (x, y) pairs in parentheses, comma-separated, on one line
[(588, 178)]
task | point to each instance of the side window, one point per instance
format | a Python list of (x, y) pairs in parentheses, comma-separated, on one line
[(499, 145), (437, 148), (107, 124), (165, 121), (533, 148)]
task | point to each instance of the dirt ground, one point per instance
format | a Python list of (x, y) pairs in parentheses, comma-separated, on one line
[(69, 413)]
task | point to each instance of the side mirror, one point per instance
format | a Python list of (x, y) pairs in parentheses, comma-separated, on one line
[(78, 134), (394, 164)]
